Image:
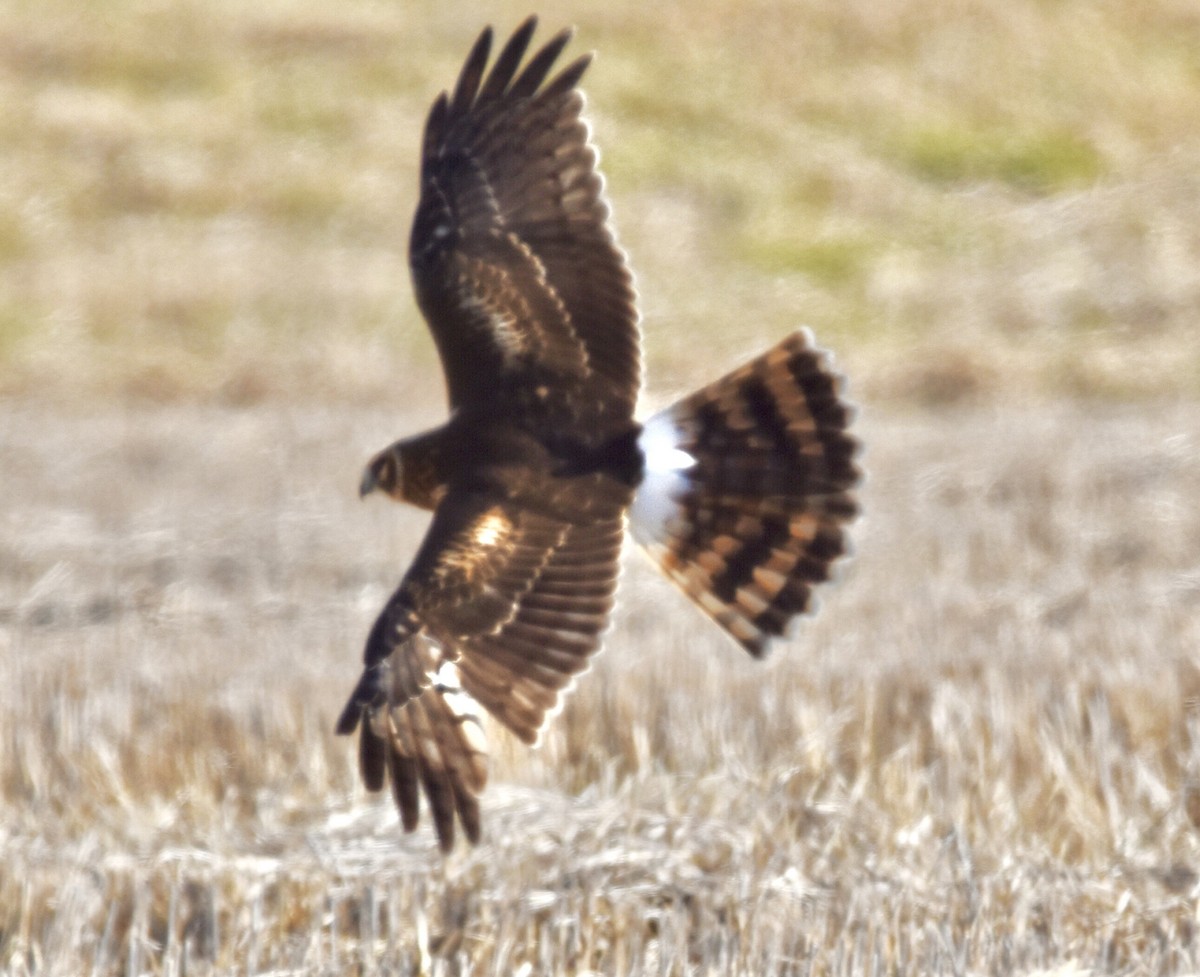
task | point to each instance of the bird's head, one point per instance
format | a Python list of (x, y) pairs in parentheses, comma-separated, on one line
[(382, 472)]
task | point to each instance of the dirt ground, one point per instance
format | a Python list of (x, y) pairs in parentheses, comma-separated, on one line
[(980, 757)]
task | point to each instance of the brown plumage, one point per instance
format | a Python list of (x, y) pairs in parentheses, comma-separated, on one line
[(741, 492)]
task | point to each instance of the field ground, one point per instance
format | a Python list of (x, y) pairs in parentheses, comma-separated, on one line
[(982, 757)]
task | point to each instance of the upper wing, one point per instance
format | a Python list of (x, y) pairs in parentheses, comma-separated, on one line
[(501, 608), (526, 293)]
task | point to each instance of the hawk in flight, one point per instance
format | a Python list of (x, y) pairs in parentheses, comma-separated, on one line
[(740, 493)]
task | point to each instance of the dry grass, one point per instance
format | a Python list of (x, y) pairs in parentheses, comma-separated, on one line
[(207, 198), (982, 757)]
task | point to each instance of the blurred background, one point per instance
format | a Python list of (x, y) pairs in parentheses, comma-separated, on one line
[(972, 200)]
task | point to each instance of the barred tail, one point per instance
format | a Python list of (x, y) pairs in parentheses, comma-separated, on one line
[(749, 489)]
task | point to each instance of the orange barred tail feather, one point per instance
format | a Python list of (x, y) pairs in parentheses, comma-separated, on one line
[(749, 489)]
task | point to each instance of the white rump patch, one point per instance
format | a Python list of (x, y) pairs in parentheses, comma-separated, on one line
[(656, 504)]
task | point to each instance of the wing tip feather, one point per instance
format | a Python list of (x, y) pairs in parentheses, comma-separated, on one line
[(566, 80), (477, 85), (471, 75)]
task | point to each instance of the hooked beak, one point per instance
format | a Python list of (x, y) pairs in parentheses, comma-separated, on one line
[(369, 482)]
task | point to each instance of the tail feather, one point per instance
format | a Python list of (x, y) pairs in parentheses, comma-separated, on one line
[(749, 489)]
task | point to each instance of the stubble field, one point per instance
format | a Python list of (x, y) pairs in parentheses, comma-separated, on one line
[(981, 757)]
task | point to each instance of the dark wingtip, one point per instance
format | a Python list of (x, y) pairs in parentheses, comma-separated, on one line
[(364, 692), (351, 715), (529, 81), (527, 26), (371, 758), (439, 792), (405, 791), (523, 34), (505, 66), (472, 73), (468, 815), (569, 77)]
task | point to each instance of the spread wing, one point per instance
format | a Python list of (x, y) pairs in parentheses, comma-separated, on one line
[(501, 609), (526, 293)]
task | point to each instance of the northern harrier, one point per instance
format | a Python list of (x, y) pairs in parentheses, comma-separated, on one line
[(740, 493)]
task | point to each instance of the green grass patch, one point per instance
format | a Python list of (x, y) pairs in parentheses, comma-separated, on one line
[(641, 160), (834, 262), (302, 201), (1039, 162), (298, 113), (137, 59), (16, 325)]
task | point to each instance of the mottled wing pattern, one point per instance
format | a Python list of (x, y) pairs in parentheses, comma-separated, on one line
[(502, 609), (526, 293), (479, 557), (520, 673), (761, 491)]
